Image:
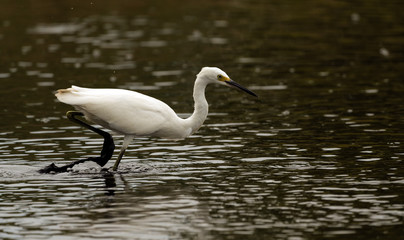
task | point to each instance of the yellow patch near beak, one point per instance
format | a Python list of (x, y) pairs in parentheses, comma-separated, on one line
[(223, 78)]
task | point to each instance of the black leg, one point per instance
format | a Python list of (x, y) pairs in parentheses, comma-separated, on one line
[(107, 151), (108, 146)]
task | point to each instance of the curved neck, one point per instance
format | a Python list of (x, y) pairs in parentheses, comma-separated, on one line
[(201, 106)]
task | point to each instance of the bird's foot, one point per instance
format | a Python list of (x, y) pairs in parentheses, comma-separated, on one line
[(52, 168)]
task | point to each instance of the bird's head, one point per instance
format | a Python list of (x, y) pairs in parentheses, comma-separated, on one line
[(216, 75)]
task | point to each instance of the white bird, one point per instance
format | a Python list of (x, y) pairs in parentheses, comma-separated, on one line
[(134, 114)]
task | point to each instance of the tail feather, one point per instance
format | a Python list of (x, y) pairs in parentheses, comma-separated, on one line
[(61, 91), (67, 95)]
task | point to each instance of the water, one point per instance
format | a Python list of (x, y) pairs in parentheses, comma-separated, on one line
[(317, 156)]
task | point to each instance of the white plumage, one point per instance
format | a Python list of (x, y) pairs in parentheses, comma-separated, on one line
[(126, 112), (134, 114)]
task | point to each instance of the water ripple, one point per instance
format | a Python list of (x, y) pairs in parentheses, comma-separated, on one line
[(317, 155)]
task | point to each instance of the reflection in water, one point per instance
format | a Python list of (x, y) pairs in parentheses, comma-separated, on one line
[(319, 155), (110, 183)]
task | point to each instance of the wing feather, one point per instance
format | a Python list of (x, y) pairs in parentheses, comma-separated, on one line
[(124, 111)]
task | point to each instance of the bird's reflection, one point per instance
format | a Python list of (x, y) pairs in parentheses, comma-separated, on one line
[(110, 182)]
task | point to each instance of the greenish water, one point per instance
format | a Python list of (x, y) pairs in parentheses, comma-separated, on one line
[(318, 155)]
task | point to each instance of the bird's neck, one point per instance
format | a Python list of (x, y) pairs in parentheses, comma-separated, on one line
[(200, 107)]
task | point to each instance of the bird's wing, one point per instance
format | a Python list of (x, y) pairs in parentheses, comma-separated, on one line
[(124, 111)]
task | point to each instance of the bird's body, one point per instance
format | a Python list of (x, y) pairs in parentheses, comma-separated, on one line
[(134, 114), (137, 114)]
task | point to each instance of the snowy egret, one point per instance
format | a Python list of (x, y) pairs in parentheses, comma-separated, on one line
[(134, 114)]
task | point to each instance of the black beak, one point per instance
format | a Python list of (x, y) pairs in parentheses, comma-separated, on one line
[(234, 84)]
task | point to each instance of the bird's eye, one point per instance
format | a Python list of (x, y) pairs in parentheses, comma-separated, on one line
[(219, 77)]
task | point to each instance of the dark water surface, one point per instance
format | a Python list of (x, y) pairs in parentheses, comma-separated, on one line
[(319, 155)]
